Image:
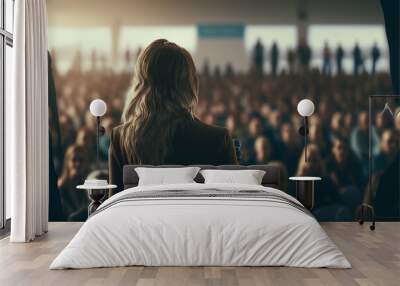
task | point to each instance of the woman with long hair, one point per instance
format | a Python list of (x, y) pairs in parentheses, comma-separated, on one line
[(159, 125)]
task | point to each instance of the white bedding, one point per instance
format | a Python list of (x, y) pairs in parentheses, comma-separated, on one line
[(185, 231)]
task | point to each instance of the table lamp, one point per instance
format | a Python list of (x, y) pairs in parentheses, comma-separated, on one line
[(305, 108), (98, 108)]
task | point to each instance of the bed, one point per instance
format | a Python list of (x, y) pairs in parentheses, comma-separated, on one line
[(199, 224)]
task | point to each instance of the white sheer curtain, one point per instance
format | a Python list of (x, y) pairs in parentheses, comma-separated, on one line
[(27, 124)]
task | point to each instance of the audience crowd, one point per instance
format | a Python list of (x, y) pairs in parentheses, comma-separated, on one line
[(259, 110)]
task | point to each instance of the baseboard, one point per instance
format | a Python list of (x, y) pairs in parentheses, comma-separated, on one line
[(5, 231)]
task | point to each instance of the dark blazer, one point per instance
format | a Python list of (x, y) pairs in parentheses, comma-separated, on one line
[(193, 143)]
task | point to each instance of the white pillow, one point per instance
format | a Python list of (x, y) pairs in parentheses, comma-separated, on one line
[(248, 177), (165, 176)]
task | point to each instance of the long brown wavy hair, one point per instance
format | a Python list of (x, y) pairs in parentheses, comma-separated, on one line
[(164, 95)]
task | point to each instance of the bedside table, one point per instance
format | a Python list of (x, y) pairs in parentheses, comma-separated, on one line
[(96, 195), (305, 190)]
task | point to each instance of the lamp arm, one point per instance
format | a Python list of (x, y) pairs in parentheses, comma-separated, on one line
[(305, 138), (97, 141)]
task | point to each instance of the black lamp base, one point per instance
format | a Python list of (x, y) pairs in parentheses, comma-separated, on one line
[(304, 131)]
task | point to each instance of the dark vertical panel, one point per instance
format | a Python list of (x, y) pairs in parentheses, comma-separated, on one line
[(391, 12), (55, 207)]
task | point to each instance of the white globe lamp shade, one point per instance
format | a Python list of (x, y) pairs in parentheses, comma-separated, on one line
[(305, 108), (98, 107)]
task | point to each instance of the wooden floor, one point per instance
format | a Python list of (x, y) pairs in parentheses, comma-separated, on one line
[(375, 257)]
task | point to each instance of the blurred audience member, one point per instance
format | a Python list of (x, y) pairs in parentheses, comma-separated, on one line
[(397, 121), (104, 143), (339, 59), (314, 166), (262, 151), (255, 130), (258, 57), (288, 149), (274, 59), (383, 121), (316, 136), (327, 64), (388, 151), (291, 60), (360, 140), (343, 167), (304, 53), (358, 60), (76, 168), (387, 196), (337, 125), (87, 138), (375, 55), (346, 174), (328, 205), (348, 124), (205, 71)]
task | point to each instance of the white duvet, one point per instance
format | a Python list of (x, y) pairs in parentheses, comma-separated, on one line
[(200, 231)]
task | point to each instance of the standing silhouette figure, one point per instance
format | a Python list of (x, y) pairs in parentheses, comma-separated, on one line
[(339, 59), (358, 60), (326, 65), (258, 57), (375, 55), (274, 58)]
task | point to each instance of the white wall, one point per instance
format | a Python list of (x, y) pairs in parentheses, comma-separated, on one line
[(220, 52)]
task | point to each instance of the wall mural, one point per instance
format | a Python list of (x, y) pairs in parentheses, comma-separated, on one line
[(252, 87)]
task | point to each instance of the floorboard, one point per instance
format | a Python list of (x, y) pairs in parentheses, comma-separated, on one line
[(374, 255)]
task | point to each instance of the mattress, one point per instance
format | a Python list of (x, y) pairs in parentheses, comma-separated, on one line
[(201, 225)]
